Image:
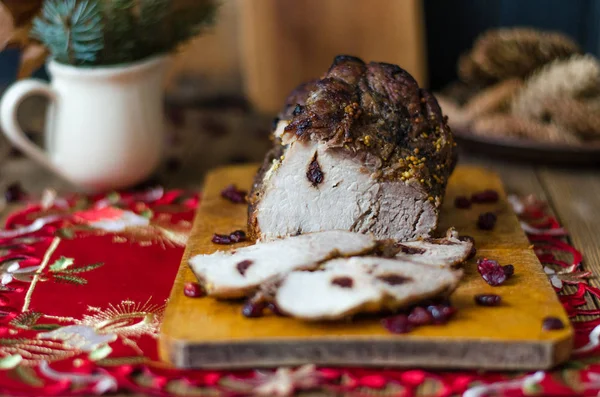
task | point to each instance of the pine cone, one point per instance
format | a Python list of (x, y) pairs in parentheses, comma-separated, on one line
[(581, 117), (578, 76), (517, 52), (505, 125), (493, 99)]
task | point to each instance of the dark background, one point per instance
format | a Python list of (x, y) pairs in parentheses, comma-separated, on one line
[(452, 25)]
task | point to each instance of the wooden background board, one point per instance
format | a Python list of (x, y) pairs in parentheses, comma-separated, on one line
[(208, 333)]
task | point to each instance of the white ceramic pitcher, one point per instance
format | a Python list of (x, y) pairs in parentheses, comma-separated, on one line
[(104, 126)]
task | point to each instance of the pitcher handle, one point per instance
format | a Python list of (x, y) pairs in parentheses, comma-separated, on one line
[(9, 106)]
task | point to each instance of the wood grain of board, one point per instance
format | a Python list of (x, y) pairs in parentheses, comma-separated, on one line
[(208, 333)]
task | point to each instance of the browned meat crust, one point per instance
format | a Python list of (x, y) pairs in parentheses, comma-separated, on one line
[(379, 110)]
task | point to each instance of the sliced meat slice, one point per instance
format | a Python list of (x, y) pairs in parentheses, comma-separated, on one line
[(451, 250), (238, 273), (349, 286)]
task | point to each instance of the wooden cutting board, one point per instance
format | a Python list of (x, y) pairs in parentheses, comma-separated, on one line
[(205, 333)]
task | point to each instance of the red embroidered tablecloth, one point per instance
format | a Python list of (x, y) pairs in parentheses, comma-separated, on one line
[(84, 281)]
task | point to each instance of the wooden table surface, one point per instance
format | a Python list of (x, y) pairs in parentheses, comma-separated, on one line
[(573, 195)]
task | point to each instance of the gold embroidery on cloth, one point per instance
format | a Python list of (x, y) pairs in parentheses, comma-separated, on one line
[(36, 278), (32, 351), (92, 334), (127, 320), (119, 239)]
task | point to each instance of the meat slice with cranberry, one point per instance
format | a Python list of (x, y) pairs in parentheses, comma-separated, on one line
[(348, 286), (449, 251), (238, 273)]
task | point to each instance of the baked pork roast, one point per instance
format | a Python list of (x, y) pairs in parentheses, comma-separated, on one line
[(363, 149)]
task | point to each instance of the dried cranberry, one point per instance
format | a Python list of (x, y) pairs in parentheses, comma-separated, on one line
[(486, 221), (486, 196), (14, 192), (193, 290), (397, 324), (254, 309), (491, 271), (234, 237), (314, 173), (394, 279), (233, 194), (243, 266), (462, 202), (221, 239), (441, 313), (420, 316), (238, 236), (488, 300), (509, 270), (344, 282), (552, 323)]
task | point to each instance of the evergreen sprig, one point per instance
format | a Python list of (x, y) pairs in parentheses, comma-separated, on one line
[(106, 32), (71, 29)]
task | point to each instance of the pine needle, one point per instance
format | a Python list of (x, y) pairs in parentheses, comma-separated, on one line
[(72, 30), (108, 32)]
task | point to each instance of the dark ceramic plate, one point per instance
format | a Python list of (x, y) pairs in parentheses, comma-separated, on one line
[(518, 149)]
